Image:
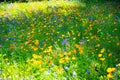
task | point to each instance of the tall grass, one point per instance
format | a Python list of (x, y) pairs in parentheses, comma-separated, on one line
[(59, 40)]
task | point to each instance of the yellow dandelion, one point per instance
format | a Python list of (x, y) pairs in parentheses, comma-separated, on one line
[(119, 64), (102, 59), (73, 58), (36, 42), (37, 62), (67, 58), (81, 51), (61, 61), (34, 48), (110, 70), (109, 76), (99, 55), (37, 56), (60, 70), (102, 50)]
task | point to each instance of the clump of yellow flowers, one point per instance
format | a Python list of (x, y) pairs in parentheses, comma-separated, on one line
[(110, 71)]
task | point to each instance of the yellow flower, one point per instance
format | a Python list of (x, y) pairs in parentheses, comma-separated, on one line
[(55, 67), (99, 55), (61, 61), (36, 42), (109, 76), (110, 54), (37, 62), (74, 51), (74, 38), (73, 58), (67, 58), (102, 50), (34, 48), (110, 70), (61, 55), (98, 45), (102, 59), (60, 70), (119, 64), (36, 56), (81, 51)]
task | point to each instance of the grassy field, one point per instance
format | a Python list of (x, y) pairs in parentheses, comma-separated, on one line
[(59, 40)]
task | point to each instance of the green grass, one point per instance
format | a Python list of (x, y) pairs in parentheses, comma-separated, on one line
[(59, 40)]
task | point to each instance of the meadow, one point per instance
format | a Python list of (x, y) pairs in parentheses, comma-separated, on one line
[(59, 40)]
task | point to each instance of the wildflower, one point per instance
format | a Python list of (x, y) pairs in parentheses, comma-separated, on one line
[(31, 78), (22, 78), (36, 42), (61, 55), (55, 73), (74, 38), (110, 70), (34, 48), (99, 55), (60, 70), (48, 72), (79, 34), (102, 59), (81, 51), (36, 56), (119, 64), (110, 54), (102, 50), (37, 62), (61, 61), (67, 58), (0, 78), (74, 51), (74, 73), (109, 76), (73, 58)]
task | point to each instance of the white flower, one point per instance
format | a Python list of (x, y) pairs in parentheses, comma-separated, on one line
[(74, 73)]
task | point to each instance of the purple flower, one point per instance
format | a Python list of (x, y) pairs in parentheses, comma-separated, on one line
[(0, 71), (64, 42)]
